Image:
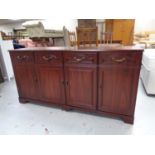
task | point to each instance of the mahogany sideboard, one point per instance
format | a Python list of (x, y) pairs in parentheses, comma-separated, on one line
[(101, 80)]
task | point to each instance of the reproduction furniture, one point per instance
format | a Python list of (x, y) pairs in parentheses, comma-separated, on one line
[(122, 29), (87, 32), (100, 80), (87, 36), (148, 71)]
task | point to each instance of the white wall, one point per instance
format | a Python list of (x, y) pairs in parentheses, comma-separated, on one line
[(70, 24), (144, 25)]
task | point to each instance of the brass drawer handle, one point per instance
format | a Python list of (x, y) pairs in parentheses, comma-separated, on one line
[(77, 60), (25, 57), (48, 58), (118, 60)]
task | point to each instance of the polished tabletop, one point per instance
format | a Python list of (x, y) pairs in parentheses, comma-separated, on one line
[(101, 47)]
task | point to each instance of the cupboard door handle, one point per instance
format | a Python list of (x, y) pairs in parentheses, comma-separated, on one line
[(48, 58), (76, 60), (22, 57), (118, 60)]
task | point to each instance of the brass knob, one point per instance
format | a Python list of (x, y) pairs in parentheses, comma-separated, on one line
[(48, 58), (78, 59), (22, 57), (118, 60)]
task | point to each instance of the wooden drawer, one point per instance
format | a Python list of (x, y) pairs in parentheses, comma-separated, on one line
[(117, 58), (22, 57), (80, 58), (48, 57)]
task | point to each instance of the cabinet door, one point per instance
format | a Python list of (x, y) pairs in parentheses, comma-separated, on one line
[(51, 83), (117, 89), (26, 82), (81, 87)]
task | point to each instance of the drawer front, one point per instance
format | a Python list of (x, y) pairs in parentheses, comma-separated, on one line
[(48, 57), (80, 58), (120, 58), (22, 57)]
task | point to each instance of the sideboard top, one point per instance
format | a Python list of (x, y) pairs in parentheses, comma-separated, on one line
[(85, 49)]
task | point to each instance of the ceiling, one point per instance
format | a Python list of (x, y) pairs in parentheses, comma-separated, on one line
[(11, 21)]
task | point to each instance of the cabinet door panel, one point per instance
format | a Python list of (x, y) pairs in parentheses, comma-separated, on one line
[(115, 89), (81, 87), (51, 84), (26, 82)]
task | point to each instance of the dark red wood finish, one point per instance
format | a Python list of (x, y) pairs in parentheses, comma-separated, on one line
[(81, 87), (81, 79), (49, 70), (26, 82), (50, 82), (25, 75), (118, 78), (115, 89), (102, 81)]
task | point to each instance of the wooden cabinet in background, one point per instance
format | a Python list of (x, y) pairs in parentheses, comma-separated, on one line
[(98, 80), (122, 29), (87, 32), (86, 23)]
